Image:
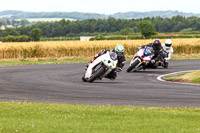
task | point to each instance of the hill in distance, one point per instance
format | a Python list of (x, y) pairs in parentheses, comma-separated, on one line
[(12, 14)]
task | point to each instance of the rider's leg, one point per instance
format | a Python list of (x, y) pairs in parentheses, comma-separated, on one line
[(112, 75)]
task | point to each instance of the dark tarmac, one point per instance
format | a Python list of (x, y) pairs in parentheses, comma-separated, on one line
[(61, 83)]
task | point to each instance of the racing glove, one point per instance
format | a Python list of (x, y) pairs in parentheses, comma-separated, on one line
[(119, 69), (153, 61)]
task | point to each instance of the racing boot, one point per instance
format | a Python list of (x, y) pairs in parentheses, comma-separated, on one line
[(166, 64), (87, 64)]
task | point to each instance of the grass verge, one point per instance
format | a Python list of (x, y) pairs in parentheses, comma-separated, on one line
[(188, 77), (73, 59), (185, 56), (24, 117), (43, 61), (7, 63)]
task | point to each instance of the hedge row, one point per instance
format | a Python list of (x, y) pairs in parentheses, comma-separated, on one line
[(100, 37), (15, 39), (60, 39)]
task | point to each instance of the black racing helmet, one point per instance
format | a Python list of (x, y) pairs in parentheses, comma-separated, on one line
[(157, 44)]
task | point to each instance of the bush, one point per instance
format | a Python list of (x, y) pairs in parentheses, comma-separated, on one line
[(35, 34), (126, 31), (146, 28), (60, 39), (15, 39), (116, 38), (98, 37)]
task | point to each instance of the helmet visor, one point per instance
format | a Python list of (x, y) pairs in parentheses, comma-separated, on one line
[(120, 53), (168, 45)]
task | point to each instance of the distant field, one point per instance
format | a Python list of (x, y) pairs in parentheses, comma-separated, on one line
[(185, 47), (47, 19)]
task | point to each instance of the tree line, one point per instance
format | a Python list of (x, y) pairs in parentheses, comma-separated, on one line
[(107, 26), (14, 23)]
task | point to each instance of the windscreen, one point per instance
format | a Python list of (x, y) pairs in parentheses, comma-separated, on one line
[(149, 50), (113, 55)]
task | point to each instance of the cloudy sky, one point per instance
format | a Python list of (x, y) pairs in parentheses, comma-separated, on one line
[(101, 6)]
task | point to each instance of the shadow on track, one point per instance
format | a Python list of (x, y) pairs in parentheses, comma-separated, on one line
[(147, 72), (104, 82)]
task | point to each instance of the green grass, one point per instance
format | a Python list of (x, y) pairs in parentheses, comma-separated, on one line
[(185, 57), (77, 60), (22, 117), (7, 63), (189, 77)]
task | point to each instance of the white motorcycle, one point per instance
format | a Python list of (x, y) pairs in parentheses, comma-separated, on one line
[(101, 67), (141, 59)]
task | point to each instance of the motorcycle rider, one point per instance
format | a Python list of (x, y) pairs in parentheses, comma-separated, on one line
[(119, 50), (167, 47), (158, 51)]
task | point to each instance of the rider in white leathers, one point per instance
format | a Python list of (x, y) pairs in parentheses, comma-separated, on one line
[(119, 50), (167, 47)]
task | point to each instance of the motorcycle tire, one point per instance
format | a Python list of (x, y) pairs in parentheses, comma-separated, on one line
[(133, 65), (84, 80), (96, 74), (166, 64)]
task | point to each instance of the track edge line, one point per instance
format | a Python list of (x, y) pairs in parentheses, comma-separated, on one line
[(159, 78)]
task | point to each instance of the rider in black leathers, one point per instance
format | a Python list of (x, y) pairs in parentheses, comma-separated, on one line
[(158, 51)]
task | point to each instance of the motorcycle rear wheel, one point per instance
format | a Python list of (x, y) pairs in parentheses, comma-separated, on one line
[(166, 64)]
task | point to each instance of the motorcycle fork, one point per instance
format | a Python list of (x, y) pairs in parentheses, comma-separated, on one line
[(107, 72)]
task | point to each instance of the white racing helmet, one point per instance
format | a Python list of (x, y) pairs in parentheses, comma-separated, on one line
[(168, 43)]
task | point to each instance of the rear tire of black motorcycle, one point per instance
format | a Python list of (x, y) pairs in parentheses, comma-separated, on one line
[(166, 65), (96, 74), (133, 65)]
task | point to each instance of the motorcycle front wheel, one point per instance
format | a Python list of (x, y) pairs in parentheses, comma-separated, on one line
[(98, 73), (133, 65), (83, 79)]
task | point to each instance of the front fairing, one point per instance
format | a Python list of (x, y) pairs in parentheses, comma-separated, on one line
[(144, 55), (108, 62), (139, 53)]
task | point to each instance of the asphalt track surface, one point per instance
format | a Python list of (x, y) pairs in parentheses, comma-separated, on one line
[(61, 83)]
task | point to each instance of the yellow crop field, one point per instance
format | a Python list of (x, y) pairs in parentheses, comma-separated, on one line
[(85, 48)]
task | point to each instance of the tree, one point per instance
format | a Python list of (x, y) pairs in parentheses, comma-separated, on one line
[(9, 31), (1, 23), (35, 34), (146, 28), (126, 31), (24, 22), (111, 26)]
